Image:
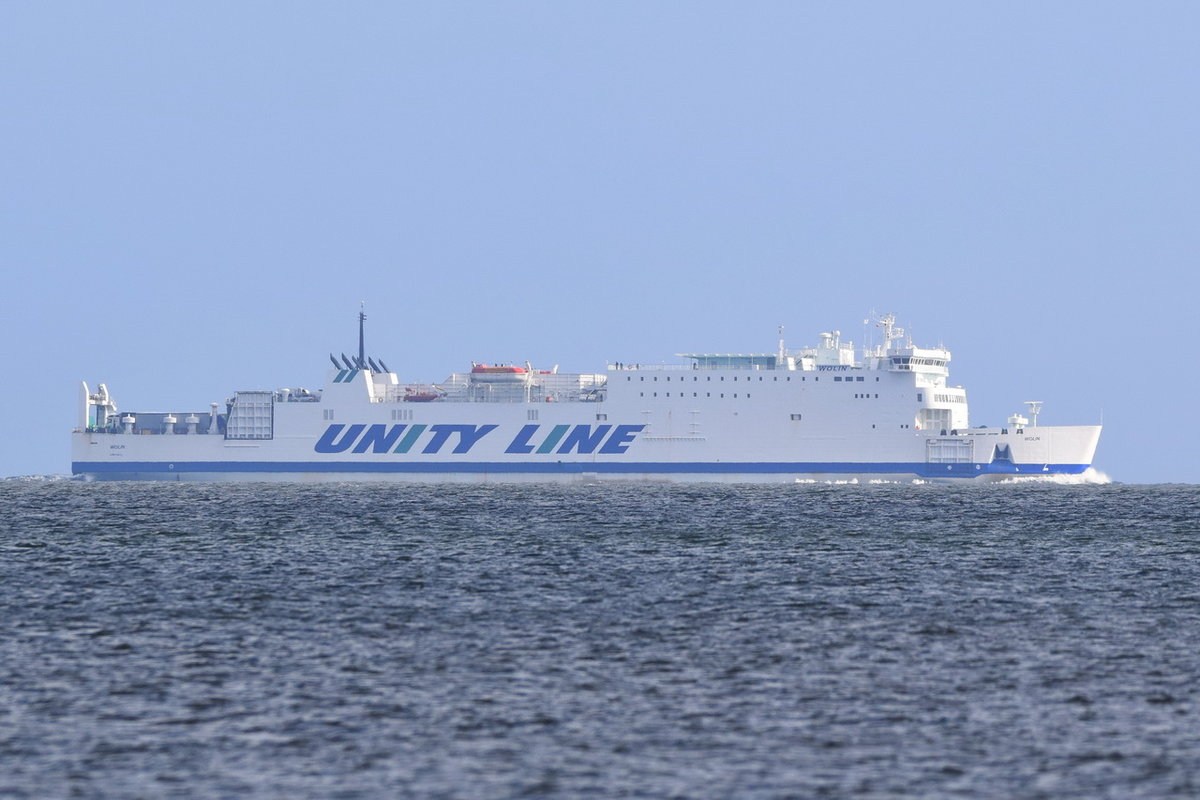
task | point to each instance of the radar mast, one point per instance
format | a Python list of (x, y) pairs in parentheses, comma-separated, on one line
[(362, 350), (1035, 408)]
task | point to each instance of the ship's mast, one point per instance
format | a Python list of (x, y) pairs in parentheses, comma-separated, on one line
[(890, 332), (1035, 408), (362, 350)]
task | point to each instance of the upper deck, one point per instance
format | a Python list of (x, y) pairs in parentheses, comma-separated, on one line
[(354, 382)]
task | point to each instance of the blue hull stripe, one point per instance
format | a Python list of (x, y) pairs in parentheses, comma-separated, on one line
[(579, 467)]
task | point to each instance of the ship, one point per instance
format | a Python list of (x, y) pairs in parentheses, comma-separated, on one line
[(830, 412)]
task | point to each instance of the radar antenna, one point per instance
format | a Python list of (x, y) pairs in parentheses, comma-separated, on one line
[(1035, 408)]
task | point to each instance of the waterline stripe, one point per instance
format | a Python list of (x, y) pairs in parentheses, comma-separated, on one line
[(578, 467)]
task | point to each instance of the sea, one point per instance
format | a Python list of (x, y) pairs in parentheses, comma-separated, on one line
[(817, 640)]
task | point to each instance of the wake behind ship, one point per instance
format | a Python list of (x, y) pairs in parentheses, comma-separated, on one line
[(820, 413)]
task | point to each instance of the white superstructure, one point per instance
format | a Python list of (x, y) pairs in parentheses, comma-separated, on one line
[(826, 412)]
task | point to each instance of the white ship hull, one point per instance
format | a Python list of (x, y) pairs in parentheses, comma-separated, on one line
[(732, 455), (759, 419)]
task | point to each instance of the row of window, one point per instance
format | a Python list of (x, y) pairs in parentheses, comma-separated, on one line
[(928, 362), (857, 396), (694, 394), (949, 398), (848, 378)]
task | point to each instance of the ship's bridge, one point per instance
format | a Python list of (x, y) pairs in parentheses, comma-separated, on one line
[(919, 359)]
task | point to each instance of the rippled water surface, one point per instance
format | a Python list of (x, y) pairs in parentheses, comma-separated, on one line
[(636, 641)]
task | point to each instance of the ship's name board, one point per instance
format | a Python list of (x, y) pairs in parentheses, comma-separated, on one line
[(430, 439)]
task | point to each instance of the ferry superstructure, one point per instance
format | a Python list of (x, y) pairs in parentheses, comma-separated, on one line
[(820, 413)]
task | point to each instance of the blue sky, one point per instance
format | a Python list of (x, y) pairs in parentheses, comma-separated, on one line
[(195, 198)]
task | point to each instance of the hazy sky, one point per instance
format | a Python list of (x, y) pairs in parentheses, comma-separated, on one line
[(194, 198)]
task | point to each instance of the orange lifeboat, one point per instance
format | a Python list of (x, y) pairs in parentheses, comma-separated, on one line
[(484, 369), (497, 374), (422, 394)]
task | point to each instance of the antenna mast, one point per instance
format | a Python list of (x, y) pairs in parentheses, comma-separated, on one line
[(890, 332), (1035, 408), (362, 351)]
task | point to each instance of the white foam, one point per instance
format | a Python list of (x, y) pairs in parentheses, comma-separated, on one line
[(38, 478), (1089, 476)]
